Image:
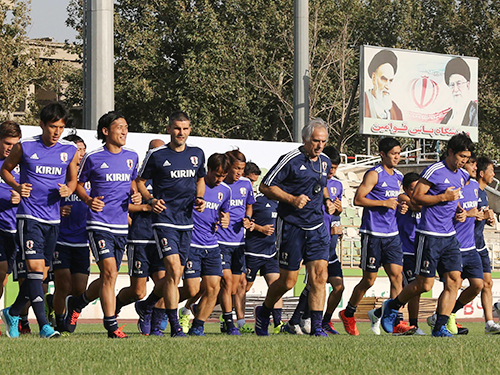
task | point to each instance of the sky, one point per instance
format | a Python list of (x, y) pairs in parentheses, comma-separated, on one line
[(48, 19)]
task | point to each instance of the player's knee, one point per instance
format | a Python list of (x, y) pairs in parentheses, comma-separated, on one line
[(339, 288), (487, 284), (478, 285)]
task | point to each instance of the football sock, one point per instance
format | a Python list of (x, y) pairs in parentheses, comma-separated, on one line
[(395, 304), (378, 312), (228, 318), (277, 316), (21, 300), (316, 320), (414, 322), (35, 291), (349, 310), (110, 323), (458, 306), (440, 321)]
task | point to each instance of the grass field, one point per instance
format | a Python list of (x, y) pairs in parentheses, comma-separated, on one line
[(89, 351)]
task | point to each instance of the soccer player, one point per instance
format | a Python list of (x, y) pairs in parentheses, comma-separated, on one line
[(10, 132), (298, 182), (178, 172), (260, 243), (485, 174), (232, 242), (205, 258), (48, 168), (335, 277), (381, 245), (407, 224), (438, 191), (111, 171), (71, 260), (143, 262)]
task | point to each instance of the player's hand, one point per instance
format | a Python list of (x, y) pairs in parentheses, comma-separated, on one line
[(15, 198), (64, 190), (330, 206), (481, 215), (338, 204), (248, 224), (300, 201), (461, 214), (24, 190), (96, 204), (159, 206), (491, 214), (199, 204), (224, 219), (65, 211), (267, 229), (391, 203), (402, 207), (136, 197), (451, 195)]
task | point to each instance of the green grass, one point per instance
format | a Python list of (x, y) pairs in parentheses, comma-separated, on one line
[(89, 351)]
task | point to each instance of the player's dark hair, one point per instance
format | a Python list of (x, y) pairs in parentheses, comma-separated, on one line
[(236, 155), (54, 112), (333, 154), (387, 144), (460, 142), (218, 161), (73, 137), (409, 178), (483, 162), (177, 116), (472, 157), (10, 129), (252, 168), (105, 122)]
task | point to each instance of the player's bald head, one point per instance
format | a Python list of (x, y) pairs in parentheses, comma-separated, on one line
[(155, 143)]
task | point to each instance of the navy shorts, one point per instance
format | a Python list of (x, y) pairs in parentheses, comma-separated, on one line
[(143, 259), (376, 251), (170, 241), (107, 245), (37, 240), (472, 266), (297, 244), (334, 266), (408, 269), (485, 259), (8, 249), (433, 253), (203, 261), (74, 258), (233, 258), (262, 264), (20, 270)]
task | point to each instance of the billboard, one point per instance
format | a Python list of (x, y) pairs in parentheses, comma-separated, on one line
[(417, 94)]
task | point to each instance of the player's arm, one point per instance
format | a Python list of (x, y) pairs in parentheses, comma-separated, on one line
[(14, 158), (247, 220), (330, 205), (132, 208), (421, 197), (95, 204), (276, 193), (136, 196), (65, 190), (157, 205), (407, 200), (369, 181), (472, 212), (199, 202)]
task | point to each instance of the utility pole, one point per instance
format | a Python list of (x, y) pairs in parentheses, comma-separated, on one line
[(300, 68)]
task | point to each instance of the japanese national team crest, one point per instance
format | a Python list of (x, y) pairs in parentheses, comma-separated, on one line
[(333, 190), (29, 244), (130, 163), (102, 244), (17, 169), (324, 165), (164, 242), (189, 264), (476, 193), (64, 157), (426, 264), (372, 260), (220, 196), (87, 185), (194, 160), (249, 271), (462, 181), (20, 266), (56, 254), (138, 264), (243, 191)]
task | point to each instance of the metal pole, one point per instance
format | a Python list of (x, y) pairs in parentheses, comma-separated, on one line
[(99, 96), (300, 68)]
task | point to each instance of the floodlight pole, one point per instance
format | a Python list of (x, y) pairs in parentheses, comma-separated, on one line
[(300, 67), (98, 66)]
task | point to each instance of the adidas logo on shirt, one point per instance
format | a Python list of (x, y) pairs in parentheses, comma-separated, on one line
[(446, 181), (34, 156), (302, 167), (37, 299), (167, 163), (268, 205), (384, 184), (104, 165)]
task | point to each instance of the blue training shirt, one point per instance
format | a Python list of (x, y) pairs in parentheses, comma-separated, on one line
[(295, 173), (264, 213), (437, 220), (7, 209), (407, 225), (44, 168), (335, 190), (381, 221), (174, 176), (72, 230), (482, 201), (141, 230), (465, 230), (110, 176), (241, 196)]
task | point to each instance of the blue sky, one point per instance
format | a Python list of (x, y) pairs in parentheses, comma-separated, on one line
[(48, 19)]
